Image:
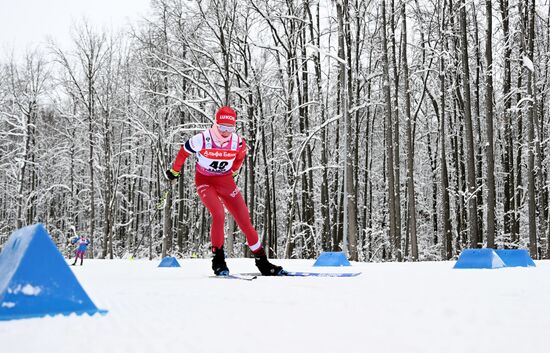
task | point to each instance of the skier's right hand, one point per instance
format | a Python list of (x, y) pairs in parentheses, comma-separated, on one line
[(171, 174)]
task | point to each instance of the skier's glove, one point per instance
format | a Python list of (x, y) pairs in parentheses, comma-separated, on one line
[(171, 174)]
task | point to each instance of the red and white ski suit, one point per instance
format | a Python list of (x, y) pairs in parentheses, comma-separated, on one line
[(215, 185)]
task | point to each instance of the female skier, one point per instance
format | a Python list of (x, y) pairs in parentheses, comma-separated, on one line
[(83, 243), (220, 153)]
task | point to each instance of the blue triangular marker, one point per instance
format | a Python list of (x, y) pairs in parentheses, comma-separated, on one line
[(332, 259), (516, 258), (35, 279), (479, 258), (169, 261)]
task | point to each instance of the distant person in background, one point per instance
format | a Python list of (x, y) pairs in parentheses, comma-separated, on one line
[(220, 153), (83, 243)]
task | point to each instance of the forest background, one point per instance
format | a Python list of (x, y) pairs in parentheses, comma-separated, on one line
[(393, 130)]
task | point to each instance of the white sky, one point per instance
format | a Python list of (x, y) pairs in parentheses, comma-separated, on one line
[(27, 23)]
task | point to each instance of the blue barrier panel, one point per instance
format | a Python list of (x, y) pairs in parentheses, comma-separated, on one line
[(169, 261), (479, 258), (332, 259), (35, 279), (516, 258)]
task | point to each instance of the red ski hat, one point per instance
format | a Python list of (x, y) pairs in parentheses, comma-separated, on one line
[(226, 116)]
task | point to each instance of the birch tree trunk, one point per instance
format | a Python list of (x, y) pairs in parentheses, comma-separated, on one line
[(345, 75), (491, 195), (315, 32), (411, 199), (509, 203), (533, 241), (396, 135), (389, 137), (470, 148), (447, 241)]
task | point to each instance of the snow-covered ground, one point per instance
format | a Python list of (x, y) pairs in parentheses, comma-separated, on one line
[(391, 307)]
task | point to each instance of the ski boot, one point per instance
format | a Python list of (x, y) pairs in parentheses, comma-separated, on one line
[(267, 268), (218, 262)]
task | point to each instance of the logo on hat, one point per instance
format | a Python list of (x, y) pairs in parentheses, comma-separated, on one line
[(226, 115), (228, 118)]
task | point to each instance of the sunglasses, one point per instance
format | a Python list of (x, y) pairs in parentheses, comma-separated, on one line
[(225, 128)]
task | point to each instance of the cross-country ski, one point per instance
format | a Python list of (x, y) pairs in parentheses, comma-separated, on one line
[(310, 274), (241, 277)]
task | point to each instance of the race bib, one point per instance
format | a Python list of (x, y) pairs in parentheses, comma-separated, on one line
[(217, 161), (214, 160)]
